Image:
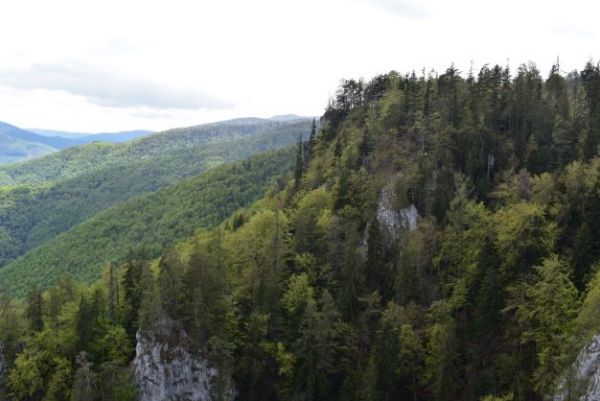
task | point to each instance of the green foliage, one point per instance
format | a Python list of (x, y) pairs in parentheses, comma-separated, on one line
[(434, 244), (545, 311), (13, 149), (523, 235), (58, 192), (170, 214)]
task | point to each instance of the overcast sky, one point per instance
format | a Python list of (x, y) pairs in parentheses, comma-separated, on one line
[(123, 64)]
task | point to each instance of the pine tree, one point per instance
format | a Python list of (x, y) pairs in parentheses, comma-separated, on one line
[(442, 358), (90, 323), (150, 312), (196, 293), (170, 275), (35, 306), (134, 268), (488, 300), (299, 169), (387, 352), (311, 142), (590, 78), (352, 276), (376, 266), (112, 285), (547, 316)]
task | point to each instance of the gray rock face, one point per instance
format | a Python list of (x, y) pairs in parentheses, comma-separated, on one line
[(409, 217), (582, 382), (165, 370), (387, 216), (392, 220)]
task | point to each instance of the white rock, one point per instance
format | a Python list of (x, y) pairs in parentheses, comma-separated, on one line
[(583, 379), (166, 371), (393, 221), (409, 217)]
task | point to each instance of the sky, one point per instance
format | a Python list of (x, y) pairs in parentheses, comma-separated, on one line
[(112, 65)]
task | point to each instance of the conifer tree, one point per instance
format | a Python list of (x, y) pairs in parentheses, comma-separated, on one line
[(170, 276), (35, 305), (150, 312), (112, 285), (133, 270), (299, 168), (196, 284)]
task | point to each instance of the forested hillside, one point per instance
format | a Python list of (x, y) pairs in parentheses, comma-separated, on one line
[(83, 137), (17, 144), (80, 160), (439, 240), (13, 149), (95, 177), (148, 221)]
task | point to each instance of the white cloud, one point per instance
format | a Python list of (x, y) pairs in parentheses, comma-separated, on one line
[(405, 8), (158, 64), (108, 88), (561, 29)]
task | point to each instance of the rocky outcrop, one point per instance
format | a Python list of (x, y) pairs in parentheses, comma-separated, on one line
[(392, 220), (582, 382), (387, 216), (166, 370), (409, 217)]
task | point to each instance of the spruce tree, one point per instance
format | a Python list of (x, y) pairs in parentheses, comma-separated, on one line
[(299, 168), (133, 269), (35, 305), (170, 276)]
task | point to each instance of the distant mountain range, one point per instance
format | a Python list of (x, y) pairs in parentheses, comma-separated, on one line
[(288, 117), (85, 137), (17, 144), (43, 199)]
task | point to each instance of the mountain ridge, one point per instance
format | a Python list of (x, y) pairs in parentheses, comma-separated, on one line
[(70, 186)]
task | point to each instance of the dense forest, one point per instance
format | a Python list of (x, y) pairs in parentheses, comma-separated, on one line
[(151, 220), (438, 239), (51, 195)]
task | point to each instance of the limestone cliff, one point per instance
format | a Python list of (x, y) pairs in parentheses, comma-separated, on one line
[(167, 370), (582, 381), (394, 220)]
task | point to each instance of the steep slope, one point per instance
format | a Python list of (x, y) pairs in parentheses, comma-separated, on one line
[(439, 241), (33, 214), (151, 220), (413, 256)]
